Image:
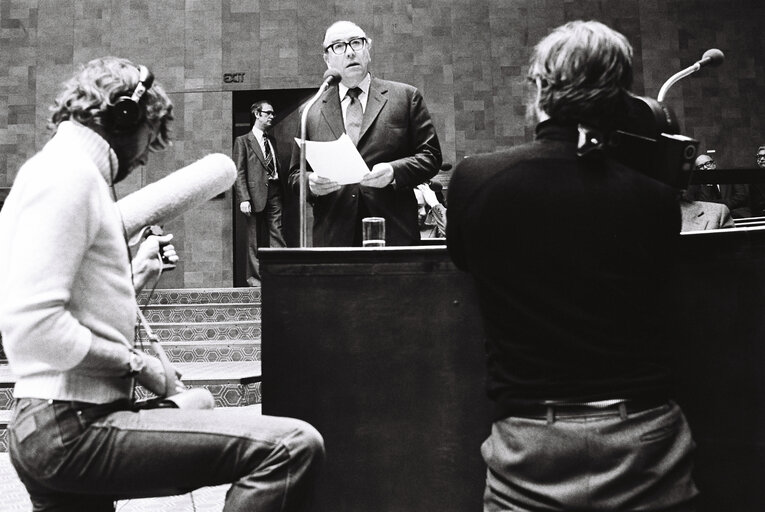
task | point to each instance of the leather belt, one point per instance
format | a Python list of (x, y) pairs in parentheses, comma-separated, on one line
[(547, 410)]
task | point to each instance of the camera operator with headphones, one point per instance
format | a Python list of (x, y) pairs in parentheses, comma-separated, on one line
[(68, 314), (575, 299)]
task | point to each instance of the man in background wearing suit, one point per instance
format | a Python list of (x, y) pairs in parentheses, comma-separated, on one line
[(394, 134), (258, 186), (733, 195), (757, 190)]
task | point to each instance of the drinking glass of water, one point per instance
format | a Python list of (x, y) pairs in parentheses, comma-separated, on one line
[(373, 231)]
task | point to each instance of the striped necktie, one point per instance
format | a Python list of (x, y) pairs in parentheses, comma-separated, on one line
[(353, 115), (269, 157)]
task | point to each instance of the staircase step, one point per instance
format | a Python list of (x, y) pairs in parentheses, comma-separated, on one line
[(213, 351), (163, 313), (201, 296), (6, 397), (183, 331), (241, 372), (234, 372), (225, 394)]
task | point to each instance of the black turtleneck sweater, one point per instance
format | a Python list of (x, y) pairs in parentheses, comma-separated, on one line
[(572, 258)]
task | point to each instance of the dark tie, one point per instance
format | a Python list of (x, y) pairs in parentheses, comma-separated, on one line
[(269, 157), (353, 115)]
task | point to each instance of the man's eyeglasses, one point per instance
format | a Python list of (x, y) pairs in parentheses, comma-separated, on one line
[(760, 156), (708, 165), (267, 112), (356, 44)]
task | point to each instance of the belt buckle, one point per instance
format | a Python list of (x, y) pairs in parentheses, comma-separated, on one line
[(597, 406)]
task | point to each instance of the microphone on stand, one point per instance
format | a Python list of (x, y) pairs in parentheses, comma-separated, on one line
[(712, 57), (330, 76)]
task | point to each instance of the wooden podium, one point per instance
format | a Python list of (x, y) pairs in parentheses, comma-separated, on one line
[(382, 351)]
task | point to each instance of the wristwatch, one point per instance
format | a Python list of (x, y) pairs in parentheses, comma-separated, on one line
[(135, 364)]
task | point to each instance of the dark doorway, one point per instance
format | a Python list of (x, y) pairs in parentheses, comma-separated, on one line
[(286, 103)]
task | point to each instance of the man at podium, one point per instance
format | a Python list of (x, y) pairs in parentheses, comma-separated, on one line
[(574, 300)]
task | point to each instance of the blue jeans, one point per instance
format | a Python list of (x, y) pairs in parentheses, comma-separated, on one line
[(603, 461), (74, 456)]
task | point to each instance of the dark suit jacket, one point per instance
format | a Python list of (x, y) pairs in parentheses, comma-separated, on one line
[(734, 196), (251, 175), (396, 128)]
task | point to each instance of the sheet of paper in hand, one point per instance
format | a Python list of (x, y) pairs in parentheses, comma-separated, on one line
[(338, 160)]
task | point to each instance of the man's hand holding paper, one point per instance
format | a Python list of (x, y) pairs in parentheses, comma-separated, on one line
[(320, 185), (380, 176), (338, 161)]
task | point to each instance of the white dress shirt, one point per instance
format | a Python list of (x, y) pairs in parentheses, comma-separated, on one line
[(345, 100), (259, 137)]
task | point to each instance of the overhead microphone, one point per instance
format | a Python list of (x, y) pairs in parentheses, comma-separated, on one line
[(712, 57), (330, 77), (177, 192)]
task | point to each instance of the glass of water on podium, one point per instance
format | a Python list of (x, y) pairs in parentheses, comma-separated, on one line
[(373, 231)]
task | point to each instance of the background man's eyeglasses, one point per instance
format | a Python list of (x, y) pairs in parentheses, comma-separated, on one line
[(708, 165), (356, 45), (267, 112)]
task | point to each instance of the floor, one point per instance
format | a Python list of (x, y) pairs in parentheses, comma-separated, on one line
[(207, 499)]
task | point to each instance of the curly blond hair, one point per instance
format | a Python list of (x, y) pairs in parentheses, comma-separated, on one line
[(87, 96)]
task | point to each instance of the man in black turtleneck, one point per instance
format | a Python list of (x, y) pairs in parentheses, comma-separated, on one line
[(574, 299)]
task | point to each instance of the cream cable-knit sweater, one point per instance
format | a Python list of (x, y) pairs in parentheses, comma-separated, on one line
[(64, 270)]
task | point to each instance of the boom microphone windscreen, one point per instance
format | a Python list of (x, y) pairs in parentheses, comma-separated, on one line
[(181, 190), (712, 57)]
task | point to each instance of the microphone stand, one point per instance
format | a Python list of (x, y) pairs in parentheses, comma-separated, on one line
[(303, 193), (676, 78)]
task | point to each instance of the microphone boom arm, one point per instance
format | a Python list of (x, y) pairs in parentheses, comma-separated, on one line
[(676, 78), (712, 57)]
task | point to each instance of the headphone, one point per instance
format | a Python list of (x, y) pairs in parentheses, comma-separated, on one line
[(125, 114)]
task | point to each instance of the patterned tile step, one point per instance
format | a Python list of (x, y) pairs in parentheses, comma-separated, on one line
[(237, 372), (241, 330), (187, 313), (201, 296), (5, 417), (7, 379), (211, 351), (6, 397), (225, 394)]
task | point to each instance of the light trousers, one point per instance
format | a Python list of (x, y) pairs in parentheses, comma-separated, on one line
[(604, 461)]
